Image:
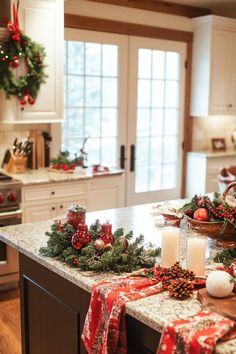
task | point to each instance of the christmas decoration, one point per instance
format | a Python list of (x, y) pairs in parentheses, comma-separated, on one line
[(181, 289), (198, 333), (106, 234), (219, 283), (76, 215), (68, 245), (81, 237), (99, 244), (63, 162), (201, 214), (176, 271), (226, 257), (216, 210), (15, 49)]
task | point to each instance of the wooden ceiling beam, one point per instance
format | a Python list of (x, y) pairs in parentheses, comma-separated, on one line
[(132, 29), (160, 6)]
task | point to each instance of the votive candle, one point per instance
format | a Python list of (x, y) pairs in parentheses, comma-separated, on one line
[(169, 246), (196, 248)]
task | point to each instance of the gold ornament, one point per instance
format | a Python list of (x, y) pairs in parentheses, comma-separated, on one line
[(99, 244), (108, 246)]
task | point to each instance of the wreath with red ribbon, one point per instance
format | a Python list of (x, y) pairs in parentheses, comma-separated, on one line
[(16, 48)]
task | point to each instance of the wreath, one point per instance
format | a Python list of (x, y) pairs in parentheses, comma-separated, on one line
[(16, 48)]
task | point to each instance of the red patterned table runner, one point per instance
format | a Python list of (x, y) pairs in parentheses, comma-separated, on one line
[(104, 329), (197, 334)]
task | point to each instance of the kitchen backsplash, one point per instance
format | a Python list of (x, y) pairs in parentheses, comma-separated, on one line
[(204, 129), (9, 133)]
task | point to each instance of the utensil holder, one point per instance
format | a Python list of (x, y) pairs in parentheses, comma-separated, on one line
[(16, 163)]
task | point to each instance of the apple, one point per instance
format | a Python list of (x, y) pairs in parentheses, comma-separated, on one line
[(201, 214)]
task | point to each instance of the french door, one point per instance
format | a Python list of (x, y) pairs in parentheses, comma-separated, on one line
[(155, 119), (126, 94)]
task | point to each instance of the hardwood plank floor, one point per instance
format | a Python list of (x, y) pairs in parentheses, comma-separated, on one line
[(10, 333)]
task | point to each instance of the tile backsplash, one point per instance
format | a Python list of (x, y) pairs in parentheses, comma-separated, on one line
[(204, 129)]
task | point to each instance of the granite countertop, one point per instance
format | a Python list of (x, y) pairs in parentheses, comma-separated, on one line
[(43, 176), (155, 311), (210, 153)]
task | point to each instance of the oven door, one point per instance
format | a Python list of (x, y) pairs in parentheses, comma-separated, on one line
[(9, 259)]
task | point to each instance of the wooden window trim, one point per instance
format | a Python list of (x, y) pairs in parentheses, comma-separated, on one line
[(160, 6)]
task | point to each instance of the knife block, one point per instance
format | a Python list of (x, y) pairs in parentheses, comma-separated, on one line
[(16, 164)]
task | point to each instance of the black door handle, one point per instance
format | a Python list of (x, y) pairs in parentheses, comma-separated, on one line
[(132, 158), (122, 156)]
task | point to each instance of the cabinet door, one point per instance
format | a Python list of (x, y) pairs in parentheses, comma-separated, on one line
[(42, 21), (39, 213), (220, 72)]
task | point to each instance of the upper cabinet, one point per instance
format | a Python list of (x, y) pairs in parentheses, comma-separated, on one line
[(43, 22), (214, 67)]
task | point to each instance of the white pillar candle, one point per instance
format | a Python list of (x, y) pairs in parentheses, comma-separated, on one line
[(169, 246), (196, 248)]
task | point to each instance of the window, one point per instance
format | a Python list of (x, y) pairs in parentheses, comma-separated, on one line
[(91, 100)]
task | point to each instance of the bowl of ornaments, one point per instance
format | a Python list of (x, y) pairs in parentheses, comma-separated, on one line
[(213, 217)]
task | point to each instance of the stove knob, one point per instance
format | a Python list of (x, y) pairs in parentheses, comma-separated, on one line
[(1, 198), (12, 197)]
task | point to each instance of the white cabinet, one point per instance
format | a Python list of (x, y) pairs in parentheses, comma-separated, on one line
[(214, 67), (203, 171), (42, 202), (106, 192), (42, 21), (46, 201)]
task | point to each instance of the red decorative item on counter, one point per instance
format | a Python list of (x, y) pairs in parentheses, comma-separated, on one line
[(106, 233), (196, 334), (81, 237), (76, 215)]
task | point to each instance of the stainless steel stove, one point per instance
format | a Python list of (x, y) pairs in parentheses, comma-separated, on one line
[(10, 214)]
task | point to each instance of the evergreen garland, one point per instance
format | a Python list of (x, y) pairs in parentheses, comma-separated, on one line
[(226, 256), (16, 48), (116, 259)]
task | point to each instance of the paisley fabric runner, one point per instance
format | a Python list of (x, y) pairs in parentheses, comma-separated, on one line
[(104, 329)]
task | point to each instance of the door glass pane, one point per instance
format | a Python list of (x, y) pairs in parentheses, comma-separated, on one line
[(157, 127), (91, 101)]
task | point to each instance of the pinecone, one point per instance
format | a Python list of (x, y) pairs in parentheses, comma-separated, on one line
[(176, 272), (181, 289)]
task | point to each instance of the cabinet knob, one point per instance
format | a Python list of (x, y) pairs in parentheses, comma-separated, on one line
[(229, 105), (61, 206), (53, 192), (53, 208)]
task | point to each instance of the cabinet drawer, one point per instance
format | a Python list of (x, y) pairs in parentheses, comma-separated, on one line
[(53, 191)]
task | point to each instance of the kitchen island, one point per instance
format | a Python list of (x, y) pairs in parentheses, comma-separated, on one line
[(55, 297)]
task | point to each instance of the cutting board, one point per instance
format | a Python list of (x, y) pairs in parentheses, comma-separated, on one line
[(225, 306)]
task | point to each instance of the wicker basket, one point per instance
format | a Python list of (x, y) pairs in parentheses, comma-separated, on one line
[(227, 238)]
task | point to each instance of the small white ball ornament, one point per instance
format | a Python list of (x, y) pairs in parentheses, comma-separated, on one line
[(219, 284)]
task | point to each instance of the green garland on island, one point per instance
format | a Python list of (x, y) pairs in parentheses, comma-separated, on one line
[(122, 256)]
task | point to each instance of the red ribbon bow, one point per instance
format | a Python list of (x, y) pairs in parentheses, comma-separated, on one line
[(13, 27)]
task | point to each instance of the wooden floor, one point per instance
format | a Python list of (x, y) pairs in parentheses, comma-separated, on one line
[(10, 335)]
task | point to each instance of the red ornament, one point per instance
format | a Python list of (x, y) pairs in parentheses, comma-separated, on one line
[(81, 237), (201, 214), (59, 225), (76, 215), (75, 261), (106, 234), (31, 100), (23, 101), (15, 62)]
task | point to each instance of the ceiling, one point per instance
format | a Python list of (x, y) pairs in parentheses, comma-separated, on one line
[(218, 7)]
